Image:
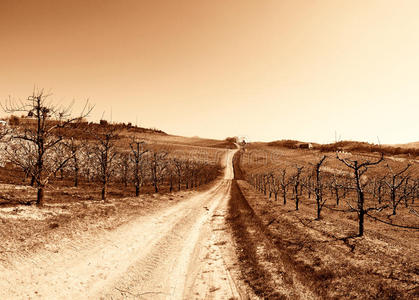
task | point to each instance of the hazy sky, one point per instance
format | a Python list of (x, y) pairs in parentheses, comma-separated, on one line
[(264, 69)]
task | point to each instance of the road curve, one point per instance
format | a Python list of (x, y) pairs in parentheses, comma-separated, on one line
[(172, 254)]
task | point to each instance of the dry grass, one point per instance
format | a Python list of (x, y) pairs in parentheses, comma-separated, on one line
[(324, 255)]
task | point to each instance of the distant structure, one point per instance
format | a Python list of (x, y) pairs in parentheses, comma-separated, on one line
[(3, 123), (305, 146), (242, 140)]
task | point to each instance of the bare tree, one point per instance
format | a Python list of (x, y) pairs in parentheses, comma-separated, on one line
[(308, 184), (88, 167), (378, 186), (284, 182), (137, 149), (105, 152), (318, 188), (158, 165), (359, 169), (124, 166), (296, 180), (178, 168), (275, 186), (50, 121), (74, 146), (395, 181), (22, 154), (170, 173), (335, 187), (59, 159)]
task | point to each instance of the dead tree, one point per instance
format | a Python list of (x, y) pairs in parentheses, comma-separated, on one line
[(395, 181), (45, 132), (359, 169), (137, 150), (105, 152)]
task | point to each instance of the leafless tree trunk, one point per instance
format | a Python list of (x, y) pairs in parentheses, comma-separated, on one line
[(335, 187), (179, 167), (137, 149), (105, 152), (296, 181), (394, 183), (74, 147), (359, 169), (124, 161), (318, 189), (284, 182), (158, 165)]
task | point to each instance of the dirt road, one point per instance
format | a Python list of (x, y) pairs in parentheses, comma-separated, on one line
[(177, 253)]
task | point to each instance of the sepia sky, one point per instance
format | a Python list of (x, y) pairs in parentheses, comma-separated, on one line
[(267, 70)]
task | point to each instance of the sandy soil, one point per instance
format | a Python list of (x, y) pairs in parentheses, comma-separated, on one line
[(178, 252)]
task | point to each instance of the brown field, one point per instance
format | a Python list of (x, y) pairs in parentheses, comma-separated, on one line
[(289, 254)]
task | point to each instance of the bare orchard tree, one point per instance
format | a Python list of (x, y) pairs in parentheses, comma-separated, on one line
[(74, 146), (60, 158), (309, 185), (158, 165), (105, 152), (415, 190), (46, 132), (275, 186), (88, 167), (137, 150), (170, 174), (318, 187), (124, 166), (378, 188), (179, 167), (284, 182), (359, 169), (296, 180), (335, 186), (22, 155), (394, 181)]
